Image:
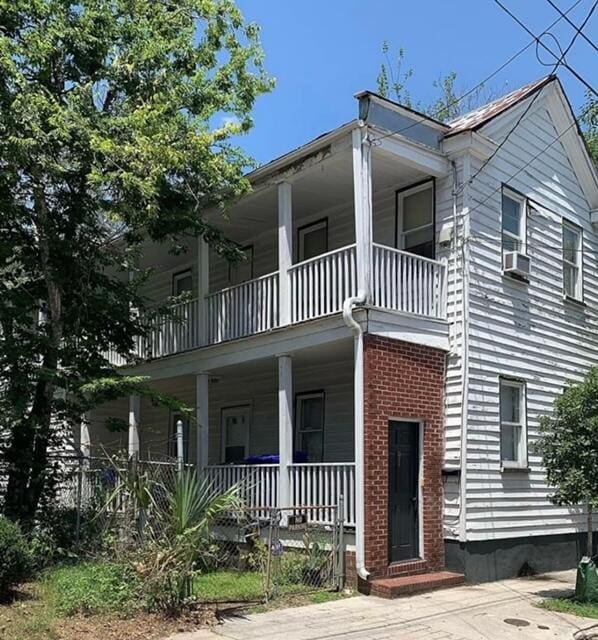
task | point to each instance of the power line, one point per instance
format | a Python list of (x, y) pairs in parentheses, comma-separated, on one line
[(538, 40), (541, 152), (456, 101), (559, 61), (563, 15)]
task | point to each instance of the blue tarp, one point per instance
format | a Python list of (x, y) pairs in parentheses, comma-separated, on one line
[(274, 458)]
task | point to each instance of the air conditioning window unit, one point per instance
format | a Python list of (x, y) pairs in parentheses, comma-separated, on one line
[(518, 264)]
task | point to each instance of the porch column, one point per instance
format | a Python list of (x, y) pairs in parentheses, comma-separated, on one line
[(285, 251), (84, 439), (362, 195), (203, 420), (134, 412), (285, 427), (203, 288)]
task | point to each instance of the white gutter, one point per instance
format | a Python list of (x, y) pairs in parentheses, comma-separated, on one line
[(358, 395)]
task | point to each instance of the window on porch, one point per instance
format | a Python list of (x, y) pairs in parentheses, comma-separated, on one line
[(415, 219), (235, 434), (309, 430)]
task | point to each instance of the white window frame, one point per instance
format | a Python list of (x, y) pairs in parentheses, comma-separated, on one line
[(232, 410), (299, 398), (521, 462), (405, 193), (578, 265), (522, 237), (181, 275), (307, 229)]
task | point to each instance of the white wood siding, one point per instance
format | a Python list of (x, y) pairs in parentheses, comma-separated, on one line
[(524, 330)]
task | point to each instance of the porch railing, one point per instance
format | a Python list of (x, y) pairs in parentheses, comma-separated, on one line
[(179, 330), (407, 282), (258, 483), (320, 285), (319, 484), (242, 310), (323, 484)]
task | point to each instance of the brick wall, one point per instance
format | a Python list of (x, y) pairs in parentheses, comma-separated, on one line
[(402, 380)]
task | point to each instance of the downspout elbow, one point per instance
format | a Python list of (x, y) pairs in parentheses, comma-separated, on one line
[(348, 305)]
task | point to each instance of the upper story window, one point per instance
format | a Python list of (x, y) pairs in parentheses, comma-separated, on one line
[(242, 271), (309, 432), (572, 261), (181, 282), (513, 221), (312, 239), (415, 219), (513, 432)]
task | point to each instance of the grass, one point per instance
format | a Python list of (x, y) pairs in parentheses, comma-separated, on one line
[(571, 606), (228, 586)]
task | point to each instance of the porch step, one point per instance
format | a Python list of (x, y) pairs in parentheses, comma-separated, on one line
[(408, 585)]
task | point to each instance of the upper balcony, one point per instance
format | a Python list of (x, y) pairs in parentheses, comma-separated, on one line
[(337, 218)]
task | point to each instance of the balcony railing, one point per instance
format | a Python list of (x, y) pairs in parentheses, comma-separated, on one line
[(311, 484), (242, 310), (410, 283), (318, 287)]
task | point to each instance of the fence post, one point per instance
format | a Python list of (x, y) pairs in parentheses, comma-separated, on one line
[(340, 519), (78, 500), (180, 454)]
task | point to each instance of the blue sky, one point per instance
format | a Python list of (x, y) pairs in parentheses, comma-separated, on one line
[(323, 51)]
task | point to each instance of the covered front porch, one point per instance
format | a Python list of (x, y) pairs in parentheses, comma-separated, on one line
[(281, 428)]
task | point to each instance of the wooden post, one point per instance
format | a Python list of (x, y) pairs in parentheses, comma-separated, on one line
[(134, 411), (362, 196), (285, 251), (285, 428), (590, 541), (202, 415), (203, 288)]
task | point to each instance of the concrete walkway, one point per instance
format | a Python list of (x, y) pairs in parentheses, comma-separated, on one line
[(495, 611)]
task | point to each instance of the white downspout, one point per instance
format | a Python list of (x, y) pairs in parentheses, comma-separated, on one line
[(363, 239), (358, 394)]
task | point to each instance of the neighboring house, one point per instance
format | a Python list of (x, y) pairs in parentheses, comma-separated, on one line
[(414, 297)]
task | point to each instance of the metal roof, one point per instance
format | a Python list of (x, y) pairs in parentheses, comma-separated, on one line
[(479, 117)]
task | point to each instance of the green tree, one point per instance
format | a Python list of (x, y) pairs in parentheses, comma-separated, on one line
[(589, 125), (393, 80), (116, 119), (569, 445)]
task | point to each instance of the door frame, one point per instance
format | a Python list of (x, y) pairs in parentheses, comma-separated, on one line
[(421, 425)]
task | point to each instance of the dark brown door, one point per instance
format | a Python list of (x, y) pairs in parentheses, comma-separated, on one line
[(404, 490)]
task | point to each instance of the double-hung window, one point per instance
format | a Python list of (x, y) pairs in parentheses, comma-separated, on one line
[(572, 261), (182, 282), (235, 433), (242, 271), (312, 239), (415, 219), (513, 221), (513, 432), (309, 432)]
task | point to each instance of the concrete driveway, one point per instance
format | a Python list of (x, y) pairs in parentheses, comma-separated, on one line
[(500, 610)]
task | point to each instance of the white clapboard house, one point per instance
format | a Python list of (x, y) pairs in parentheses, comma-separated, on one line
[(415, 296)]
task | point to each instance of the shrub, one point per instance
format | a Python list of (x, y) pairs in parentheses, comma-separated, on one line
[(93, 587), (15, 559)]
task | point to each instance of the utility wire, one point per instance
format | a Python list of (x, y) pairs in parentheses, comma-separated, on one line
[(563, 15), (559, 61), (541, 152), (455, 101), (538, 40)]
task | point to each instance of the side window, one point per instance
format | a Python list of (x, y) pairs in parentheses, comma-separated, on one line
[(309, 425), (572, 261), (312, 240), (235, 433), (181, 282), (415, 220), (513, 424), (513, 222), (172, 436), (242, 271)]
